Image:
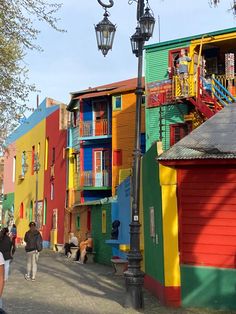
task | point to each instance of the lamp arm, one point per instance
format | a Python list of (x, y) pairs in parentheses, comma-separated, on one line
[(106, 5)]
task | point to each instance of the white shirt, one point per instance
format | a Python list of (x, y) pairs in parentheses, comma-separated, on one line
[(2, 261), (74, 240)]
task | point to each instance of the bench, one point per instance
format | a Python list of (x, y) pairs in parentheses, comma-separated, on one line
[(60, 248), (90, 257), (120, 265)]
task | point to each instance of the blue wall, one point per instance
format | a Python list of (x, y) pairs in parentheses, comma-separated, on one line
[(88, 153)]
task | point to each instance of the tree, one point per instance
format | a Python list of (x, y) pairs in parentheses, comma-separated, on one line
[(17, 35)]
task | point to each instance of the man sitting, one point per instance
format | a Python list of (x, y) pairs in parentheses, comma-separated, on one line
[(73, 242)]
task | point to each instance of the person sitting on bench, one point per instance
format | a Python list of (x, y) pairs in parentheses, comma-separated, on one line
[(85, 247), (73, 242)]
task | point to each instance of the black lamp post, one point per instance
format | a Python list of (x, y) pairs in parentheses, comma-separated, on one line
[(134, 277)]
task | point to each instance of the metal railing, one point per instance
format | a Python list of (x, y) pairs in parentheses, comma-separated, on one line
[(94, 128), (92, 179), (185, 87)]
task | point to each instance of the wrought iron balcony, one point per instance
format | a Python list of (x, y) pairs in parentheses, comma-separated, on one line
[(97, 180), (94, 128)]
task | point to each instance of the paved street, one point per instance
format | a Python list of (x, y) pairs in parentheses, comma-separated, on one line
[(63, 286)]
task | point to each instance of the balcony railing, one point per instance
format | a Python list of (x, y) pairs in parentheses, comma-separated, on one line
[(92, 179), (94, 128)]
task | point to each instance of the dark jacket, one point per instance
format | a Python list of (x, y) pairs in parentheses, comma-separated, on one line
[(31, 240), (6, 247)]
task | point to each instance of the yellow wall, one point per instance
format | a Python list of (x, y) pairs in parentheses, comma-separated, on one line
[(123, 132), (25, 190), (168, 181)]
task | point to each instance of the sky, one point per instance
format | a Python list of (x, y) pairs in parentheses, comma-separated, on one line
[(71, 61)]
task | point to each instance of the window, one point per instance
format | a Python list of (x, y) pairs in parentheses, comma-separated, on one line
[(178, 131), (104, 221), (23, 164), (117, 157), (53, 155), (52, 191), (46, 153), (117, 102), (77, 163), (32, 159), (88, 220), (31, 211), (38, 148), (21, 211), (14, 169)]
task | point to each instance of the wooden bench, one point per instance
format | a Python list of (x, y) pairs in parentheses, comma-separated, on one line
[(60, 248), (120, 265), (90, 257)]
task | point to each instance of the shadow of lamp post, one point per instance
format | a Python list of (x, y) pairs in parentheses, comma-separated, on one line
[(36, 170), (105, 32)]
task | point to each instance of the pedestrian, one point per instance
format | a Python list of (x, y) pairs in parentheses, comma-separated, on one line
[(13, 236), (6, 250), (73, 242), (33, 246), (85, 247), (2, 270)]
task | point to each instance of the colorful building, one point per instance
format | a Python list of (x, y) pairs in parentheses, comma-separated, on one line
[(34, 159), (210, 84), (100, 145), (170, 116), (201, 213)]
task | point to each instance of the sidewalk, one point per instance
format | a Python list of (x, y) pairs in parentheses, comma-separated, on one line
[(63, 286)]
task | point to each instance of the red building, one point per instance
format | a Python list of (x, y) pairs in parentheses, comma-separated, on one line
[(55, 176), (205, 162)]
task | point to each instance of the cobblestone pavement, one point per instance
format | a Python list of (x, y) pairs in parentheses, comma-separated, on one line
[(63, 286)]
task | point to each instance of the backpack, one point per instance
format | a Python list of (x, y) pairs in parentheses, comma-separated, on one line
[(39, 243)]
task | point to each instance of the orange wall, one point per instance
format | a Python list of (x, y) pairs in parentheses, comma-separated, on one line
[(123, 132)]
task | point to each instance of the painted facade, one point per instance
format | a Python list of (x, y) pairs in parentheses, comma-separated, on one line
[(210, 85), (28, 153), (100, 145)]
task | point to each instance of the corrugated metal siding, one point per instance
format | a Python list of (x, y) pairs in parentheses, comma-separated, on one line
[(208, 217), (170, 115), (152, 126), (156, 65), (157, 62), (75, 138)]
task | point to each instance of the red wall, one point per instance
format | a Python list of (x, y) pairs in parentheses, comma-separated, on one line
[(207, 204), (58, 139)]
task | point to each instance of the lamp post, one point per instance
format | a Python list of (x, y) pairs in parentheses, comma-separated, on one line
[(36, 170), (105, 32)]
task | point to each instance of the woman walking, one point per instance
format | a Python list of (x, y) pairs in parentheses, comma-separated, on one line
[(6, 250)]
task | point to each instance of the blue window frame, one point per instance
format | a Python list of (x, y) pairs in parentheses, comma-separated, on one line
[(117, 102)]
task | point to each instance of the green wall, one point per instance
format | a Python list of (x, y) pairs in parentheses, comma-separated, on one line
[(208, 287), (8, 201), (157, 61), (103, 250), (154, 260), (170, 114)]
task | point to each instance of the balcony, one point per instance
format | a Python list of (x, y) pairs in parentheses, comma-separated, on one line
[(91, 180), (98, 128)]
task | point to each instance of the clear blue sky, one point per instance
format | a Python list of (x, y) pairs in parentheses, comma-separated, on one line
[(71, 61)]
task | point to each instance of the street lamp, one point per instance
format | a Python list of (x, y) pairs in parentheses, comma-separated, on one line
[(134, 277)]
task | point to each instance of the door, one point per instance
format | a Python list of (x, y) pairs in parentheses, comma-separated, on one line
[(98, 168), (100, 118)]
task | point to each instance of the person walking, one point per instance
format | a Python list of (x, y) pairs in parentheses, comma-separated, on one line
[(6, 250), (13, 236), (2, 263), (33, 246)]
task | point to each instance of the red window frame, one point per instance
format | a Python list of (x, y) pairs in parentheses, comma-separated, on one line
[(183, 128)]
